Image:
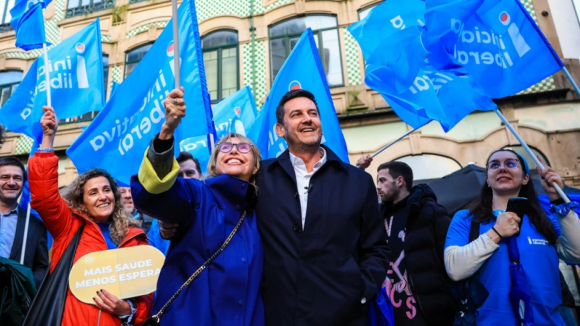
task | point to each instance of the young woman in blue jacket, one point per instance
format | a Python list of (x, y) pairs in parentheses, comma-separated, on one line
[(539, 244), (228, 291)]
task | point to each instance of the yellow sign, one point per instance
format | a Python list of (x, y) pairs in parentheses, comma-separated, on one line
[(125, 273)]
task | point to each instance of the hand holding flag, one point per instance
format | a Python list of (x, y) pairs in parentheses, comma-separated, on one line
[(174, 112), (76, 83), (135, 111)]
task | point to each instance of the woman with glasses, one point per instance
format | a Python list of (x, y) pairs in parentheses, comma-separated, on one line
[(539, 243), (227, 292)]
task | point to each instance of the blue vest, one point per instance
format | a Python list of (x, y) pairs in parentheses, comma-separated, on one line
[(539, 260)]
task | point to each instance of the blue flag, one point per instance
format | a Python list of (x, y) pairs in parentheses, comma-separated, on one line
[(76, 84), (28, 23), (496, 42), (302, 69), (114, 86), (236, 113), (116, 140), (399, 68), (385, 20)]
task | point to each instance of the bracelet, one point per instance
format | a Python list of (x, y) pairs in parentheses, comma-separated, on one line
[(494, 230), (45, 150), (563, 209)]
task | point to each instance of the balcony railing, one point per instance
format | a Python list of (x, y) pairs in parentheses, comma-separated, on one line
[(5, 28), (88, 9), (136, 1)]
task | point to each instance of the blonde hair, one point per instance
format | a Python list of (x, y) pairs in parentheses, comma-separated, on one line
[(212, 164), (119, 222)]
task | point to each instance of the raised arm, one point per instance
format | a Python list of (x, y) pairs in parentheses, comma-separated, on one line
[(159, 193), (568, 244), (43, 180), (156, 189)]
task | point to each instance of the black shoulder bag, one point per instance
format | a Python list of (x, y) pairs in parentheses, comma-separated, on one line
[(48, 305), (156, 319), (470, 292)]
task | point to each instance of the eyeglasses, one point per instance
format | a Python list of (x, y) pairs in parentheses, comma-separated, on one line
[(227, 147), (510, 163)]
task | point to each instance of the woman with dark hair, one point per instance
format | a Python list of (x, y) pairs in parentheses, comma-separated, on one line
[(91, 208), (540, 247)]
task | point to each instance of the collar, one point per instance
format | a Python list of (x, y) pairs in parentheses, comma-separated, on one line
[(14, 211), (330, 156), (297, 161), (232, 189)]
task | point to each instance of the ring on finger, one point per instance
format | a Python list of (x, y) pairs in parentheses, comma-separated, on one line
[(174, 101)]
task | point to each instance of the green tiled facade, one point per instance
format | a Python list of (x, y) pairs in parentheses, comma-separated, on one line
[(144, 28), (260, 87), (23, 145), (352, 59)]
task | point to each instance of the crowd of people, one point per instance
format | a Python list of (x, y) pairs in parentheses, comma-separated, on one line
[(300, 239)]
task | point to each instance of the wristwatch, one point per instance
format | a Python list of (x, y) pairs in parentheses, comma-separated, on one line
[(126, 319)]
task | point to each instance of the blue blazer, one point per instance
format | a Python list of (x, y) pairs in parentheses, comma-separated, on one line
[(228, 292)]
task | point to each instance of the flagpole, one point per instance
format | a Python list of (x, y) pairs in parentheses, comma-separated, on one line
[(529, 150), (176, 65), (565, 70), (392, 143), (46, 67), (25, 234)]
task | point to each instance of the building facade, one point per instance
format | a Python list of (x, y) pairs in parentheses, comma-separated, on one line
[(245, 42)]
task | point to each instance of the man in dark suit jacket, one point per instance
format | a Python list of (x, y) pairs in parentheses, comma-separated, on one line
[(13, 222), (325, 250)]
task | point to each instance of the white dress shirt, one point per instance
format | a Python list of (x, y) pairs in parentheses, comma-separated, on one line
[(303, 179), (8, 224)]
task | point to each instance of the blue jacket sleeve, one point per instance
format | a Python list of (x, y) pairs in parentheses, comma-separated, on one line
[(171, 199)]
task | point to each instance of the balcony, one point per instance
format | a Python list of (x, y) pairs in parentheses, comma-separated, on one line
[(90, 8)]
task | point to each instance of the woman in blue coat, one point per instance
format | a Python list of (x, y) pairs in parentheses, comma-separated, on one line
[(540, 246), (228, 291)]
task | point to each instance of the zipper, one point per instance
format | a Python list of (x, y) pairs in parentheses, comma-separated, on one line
[(99, 319), (415, 295)]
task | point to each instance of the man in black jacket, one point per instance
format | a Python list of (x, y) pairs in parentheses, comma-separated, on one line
[(416, 229), (325, 255), (13, 222)]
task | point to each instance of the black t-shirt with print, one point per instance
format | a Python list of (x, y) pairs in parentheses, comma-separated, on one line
[(405, 306)]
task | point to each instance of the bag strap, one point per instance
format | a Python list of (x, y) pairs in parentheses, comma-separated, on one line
[(200, 269), (473, 231)]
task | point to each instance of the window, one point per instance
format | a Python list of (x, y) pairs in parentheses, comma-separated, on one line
[(133, 57), (5, 6), (285, 35), (9, 80), (220, 58), (363, 13), (85, 7), (106, 72)]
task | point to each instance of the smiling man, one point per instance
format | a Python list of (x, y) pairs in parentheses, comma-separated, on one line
[(325, 254), (13, 220)]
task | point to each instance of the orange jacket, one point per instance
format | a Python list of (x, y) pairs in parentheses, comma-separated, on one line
[(62, 222)]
